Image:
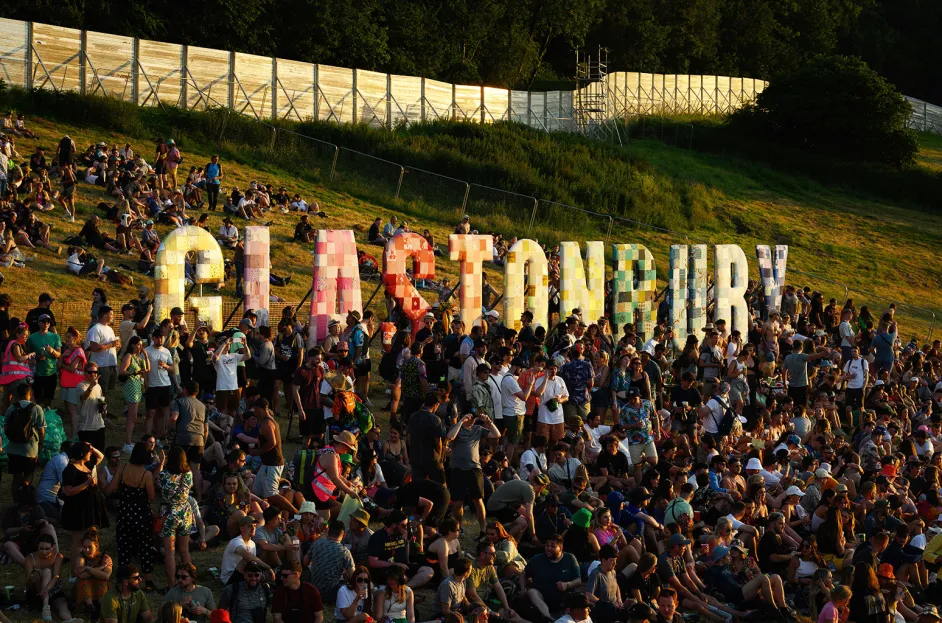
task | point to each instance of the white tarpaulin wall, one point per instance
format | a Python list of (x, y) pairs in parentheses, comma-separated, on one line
[(153, 73)]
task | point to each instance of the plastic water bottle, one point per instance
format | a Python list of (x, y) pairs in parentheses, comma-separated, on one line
[(291, 470)]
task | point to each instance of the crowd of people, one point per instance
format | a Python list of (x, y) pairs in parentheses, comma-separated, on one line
[(612, 473)]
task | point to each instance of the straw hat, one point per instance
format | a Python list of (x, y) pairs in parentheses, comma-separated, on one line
[(339, 381)]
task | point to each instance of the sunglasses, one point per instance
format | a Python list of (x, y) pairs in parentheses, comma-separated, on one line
[(182, 576), (95, 372), (363, 580)]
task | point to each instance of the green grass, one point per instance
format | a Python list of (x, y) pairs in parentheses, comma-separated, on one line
[(839, 235)]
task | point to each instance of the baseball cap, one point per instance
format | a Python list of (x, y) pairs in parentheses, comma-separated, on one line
[(678, 539), (176, 311), (45, 296), (248, 520), (719, 553), (253, 567), (44, 317), (793, 490), (493, 314)]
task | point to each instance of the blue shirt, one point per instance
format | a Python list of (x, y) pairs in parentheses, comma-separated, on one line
[(715, 480), (883, 345), (355, 343), (577, 374), (213, 171)]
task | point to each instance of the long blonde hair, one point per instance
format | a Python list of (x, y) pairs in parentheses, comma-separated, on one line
[(170, 612)]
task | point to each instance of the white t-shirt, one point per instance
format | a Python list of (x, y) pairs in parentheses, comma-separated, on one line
[(715, 417), (74, 264), (594, 435), (226, 372), (228, 232), (846, 333), (530, 457), (230, 559), (493, 384), (328, 408), (158, 377), (623, 447), (734, 522), (918, 541), (345, 597), (555, 387), (101, 334), (511, 406), (857, 370)]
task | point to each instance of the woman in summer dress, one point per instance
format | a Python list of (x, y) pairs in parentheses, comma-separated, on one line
[(176, 514), (134, 527), (84, 505), (133, 370)]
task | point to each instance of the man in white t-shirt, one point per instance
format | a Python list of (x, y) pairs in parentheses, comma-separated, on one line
[(513, 400), (102, 346), (239, 552), (856, 372), (226, 364), (712, 413), (553, 393), (847, 335), (594, 432), (159, 393), (534, 459)]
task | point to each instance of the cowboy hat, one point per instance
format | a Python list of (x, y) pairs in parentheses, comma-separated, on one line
[(346, 438), (339, 381)]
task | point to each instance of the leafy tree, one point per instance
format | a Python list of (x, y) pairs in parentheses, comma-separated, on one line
[(835, 105)]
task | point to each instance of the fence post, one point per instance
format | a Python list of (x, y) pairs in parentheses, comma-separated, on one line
[(483, 113), (454, 102), (274, 88), (422, 90), (333, 164), (317, 96), (532, 216), (184, 81), (545, 118), (510, 105), (925, 117), (230, 97), (135, 69), (83, 42), (353, 92), (402, 172), (28, 65), (529, 109), (389, 111), (464, 202)]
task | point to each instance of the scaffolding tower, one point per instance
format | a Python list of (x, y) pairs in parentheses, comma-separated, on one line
[(592, 98)]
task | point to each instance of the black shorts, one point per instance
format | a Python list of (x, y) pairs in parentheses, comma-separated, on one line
[(363, 368), (194, 454), (240, 376), (44, 387), (21, 464), (313, 424), (504, 515), (321, 506), (158, 397), (466, 484)]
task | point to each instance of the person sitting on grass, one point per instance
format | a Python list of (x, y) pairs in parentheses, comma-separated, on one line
[(24, 522), (304, 231), (42, 570), (126, 603)]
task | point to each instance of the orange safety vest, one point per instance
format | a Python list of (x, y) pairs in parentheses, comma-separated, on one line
[(323, 486), (13, 370)]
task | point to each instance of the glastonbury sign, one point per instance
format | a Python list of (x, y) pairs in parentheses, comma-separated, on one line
[(335, 289)]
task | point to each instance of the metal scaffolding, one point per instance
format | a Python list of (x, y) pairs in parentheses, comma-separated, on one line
[(592, 102)]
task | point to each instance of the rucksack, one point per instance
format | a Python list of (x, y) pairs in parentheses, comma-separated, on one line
[(725, 425), (19, 424), (305, 462)]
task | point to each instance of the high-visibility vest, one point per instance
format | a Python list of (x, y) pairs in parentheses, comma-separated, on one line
[(12, 369)]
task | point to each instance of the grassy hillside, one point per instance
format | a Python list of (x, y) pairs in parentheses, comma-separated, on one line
[(838, 234)]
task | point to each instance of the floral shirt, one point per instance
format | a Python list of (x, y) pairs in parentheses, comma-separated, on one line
[(174, 491), (638, 423), (577, 374), (619, 382)]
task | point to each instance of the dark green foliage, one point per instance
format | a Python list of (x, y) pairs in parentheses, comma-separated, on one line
[(835, 105), (516, 44)]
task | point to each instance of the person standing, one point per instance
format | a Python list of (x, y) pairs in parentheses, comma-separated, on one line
[(579, 378), (47, 347), (92, 406), (43, 307), (466, 478), (227, 365), (273, 463), (134, 368), (296, 601), (552, 393), (159, 386), (190, 430), (425, 442), (213, 175), (176, 515), (102, 346), (174, 158), (25, 428), (857, 374)]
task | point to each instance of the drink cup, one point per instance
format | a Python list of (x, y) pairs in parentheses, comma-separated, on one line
[(8, 590)]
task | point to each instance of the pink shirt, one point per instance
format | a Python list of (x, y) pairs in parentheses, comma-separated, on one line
[(828, 613)]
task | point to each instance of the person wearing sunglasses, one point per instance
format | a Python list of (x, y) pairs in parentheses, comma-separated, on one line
[(92, 406), (247, 600), (126, 602), (296, 601), (197, 601), (355, 598)]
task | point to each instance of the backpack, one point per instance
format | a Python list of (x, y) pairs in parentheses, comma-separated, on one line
[(19, 424), (725, 425), (305, 462)]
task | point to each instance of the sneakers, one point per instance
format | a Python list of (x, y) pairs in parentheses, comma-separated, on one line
[(128, 448), (47, 613)]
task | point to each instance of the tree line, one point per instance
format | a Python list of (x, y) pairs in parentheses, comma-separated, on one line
[(530, 43)]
